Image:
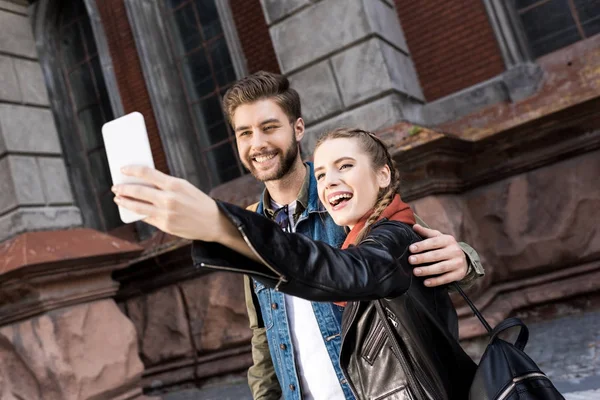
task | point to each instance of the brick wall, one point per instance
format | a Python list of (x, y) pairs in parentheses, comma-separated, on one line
[(128, 72), (254, 35), (452, 44)]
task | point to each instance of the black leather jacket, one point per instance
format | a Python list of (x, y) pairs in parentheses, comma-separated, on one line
[(411, 354)]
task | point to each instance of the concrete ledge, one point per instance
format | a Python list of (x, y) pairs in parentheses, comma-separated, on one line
[(38, 218)]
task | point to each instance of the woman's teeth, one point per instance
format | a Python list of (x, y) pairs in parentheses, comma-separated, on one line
[(335, 200)]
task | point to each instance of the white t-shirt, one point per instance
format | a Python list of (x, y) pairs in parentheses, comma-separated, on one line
[(317, 375)]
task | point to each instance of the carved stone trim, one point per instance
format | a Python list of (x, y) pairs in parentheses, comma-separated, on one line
[(43, 16), (232, 39), (499, 301), (43, 271), (444, 164), (509, 32), (106, 63)]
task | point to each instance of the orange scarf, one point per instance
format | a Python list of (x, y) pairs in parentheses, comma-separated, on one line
[(396, 211)]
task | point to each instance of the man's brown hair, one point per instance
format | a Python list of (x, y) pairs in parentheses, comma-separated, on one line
[(262, 85)]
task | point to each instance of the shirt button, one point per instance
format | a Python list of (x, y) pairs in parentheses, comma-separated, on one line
[(292, 387), (282, 346), (274, 306)]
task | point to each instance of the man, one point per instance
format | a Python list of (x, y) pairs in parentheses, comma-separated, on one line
[(296, 343)]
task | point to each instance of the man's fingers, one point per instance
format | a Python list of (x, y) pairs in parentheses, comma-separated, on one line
[(437, 268), (442, 280), (426, 232), (433, 243), (429, 257)]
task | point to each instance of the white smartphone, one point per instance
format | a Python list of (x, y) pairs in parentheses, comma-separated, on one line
[(126, 143)]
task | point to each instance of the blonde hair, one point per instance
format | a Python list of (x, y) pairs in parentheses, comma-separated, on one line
[(380, 157)]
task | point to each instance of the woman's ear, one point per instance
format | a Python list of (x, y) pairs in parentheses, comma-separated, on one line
[(384, 177)]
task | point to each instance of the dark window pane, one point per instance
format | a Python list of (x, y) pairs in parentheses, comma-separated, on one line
[(589, 15), (209, 18), (187, 35), (100, 172), (218, 132), (198, 75), (71, 46), (71, 10), (88, 34), (221, 60), (100, 84), (210, 121), (175, 3), (82, 86), (110, 210), (549, 26), (223, 163), (90, 126)]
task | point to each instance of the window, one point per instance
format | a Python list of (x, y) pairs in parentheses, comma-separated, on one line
[(206, 71), (90, 105), (553, 24)]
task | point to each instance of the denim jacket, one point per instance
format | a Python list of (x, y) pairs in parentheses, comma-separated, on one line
[(274, 371)]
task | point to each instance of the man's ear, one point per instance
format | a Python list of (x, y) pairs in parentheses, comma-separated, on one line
[(299, 129)]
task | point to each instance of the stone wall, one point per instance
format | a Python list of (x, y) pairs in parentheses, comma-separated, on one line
[(35, 192), (347, 58)]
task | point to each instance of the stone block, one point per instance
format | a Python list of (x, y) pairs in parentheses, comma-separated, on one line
[(16, 36), (12, 6), (88, 351), (276, 9), (31, 80), (38, 218), (217, 311), (374, 67), (9, 85), (55, 181), (318, 91), (161, 325), (8, 198), (318, 31), (462, 103), (384, 21), (28, 130), (27, 181), (331, 25), (373, 116)]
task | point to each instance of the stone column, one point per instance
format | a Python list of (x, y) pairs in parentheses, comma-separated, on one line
[(347, 58), (35, 191)]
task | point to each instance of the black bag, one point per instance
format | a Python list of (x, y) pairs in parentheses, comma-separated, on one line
[(505, 372)]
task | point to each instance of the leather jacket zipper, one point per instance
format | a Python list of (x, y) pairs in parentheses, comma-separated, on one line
[(518, 379), (282, 279), (395, 348), (354, 310), (278, 276)]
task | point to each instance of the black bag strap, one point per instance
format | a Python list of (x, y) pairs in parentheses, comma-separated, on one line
[(475, 310), (509, 323), (502, 326)]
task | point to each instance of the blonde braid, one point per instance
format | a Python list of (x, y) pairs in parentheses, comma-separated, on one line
[(385, 198)]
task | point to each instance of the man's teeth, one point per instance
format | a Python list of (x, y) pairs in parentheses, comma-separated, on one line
[(261, 159)]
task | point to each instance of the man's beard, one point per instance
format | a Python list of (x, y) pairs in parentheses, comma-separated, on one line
[(287, 159)]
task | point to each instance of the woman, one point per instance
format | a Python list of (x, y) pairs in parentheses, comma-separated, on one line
[(399, 336)]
